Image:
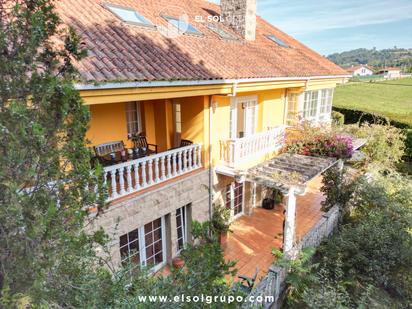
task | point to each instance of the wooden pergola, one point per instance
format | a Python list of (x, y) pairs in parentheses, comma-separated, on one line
[(290, 174)]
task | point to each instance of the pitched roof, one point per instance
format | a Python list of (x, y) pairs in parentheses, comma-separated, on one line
[(357, 67), (124, 52)]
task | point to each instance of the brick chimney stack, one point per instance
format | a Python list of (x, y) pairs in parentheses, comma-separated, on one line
[(240, 15)]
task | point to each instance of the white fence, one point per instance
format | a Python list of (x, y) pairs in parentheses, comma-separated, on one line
[(132, 176), (239, 150)]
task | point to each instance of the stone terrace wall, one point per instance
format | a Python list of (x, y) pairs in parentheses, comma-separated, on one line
[(274, 282)]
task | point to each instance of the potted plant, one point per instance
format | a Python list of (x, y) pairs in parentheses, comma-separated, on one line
[(277, 197), (220, 223), (178, 262)]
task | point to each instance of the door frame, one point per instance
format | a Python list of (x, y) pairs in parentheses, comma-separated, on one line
[(233, 217), (234, 105)]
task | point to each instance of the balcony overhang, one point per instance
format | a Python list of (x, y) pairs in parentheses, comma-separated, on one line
[(289, 171)]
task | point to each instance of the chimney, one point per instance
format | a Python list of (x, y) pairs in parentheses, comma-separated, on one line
[(240, 15)]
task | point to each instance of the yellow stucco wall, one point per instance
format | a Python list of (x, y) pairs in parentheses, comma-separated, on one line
[(108, 121), (271, 107), (107, 124)]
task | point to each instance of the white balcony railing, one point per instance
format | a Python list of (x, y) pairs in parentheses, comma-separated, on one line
[(240, 150), (132, 176)]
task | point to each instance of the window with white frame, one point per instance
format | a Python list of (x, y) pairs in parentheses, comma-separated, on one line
[(243, 116), (133, 118), (317, 105), (293, 108), (325, 104), (145, 246), (234, 198), (181, 225)]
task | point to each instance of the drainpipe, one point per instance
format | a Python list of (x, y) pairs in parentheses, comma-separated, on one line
[(234, 90), (210, 158)]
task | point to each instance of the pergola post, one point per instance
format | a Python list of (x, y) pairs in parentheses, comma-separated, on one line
[(290, 218)]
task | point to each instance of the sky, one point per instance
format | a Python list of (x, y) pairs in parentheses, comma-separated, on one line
[(340, 25)]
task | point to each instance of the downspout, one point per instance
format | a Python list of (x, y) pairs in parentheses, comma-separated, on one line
[(210, 158)]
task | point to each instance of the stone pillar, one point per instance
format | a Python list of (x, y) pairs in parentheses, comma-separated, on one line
[(173, 233), (290, 218)]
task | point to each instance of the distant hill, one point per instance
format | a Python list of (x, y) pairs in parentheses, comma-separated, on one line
[(398, 57)]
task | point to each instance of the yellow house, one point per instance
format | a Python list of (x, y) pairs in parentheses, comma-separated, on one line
[(210, 98)]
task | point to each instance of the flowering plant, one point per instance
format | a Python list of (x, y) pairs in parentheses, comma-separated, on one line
[(321, 142)]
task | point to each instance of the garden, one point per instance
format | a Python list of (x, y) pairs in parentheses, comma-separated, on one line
[(367, 263)]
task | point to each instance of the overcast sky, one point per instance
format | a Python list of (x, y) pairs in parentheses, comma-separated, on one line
[(339, 25)]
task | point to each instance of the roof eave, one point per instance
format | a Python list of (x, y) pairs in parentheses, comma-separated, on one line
[(177, 83)]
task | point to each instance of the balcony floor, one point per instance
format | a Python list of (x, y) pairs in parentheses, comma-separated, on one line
[(255, 236)]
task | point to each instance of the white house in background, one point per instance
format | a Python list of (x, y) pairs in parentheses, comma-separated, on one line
[(390, 73), (360, 70)]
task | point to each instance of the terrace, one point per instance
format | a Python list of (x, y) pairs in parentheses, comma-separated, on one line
[(255, 236)]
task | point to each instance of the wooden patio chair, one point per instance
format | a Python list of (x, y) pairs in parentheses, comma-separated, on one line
[(140, 142), (185, 142)]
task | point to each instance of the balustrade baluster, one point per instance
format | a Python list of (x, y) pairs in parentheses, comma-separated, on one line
[(150, 168), (113, 183), (129, 178), (144, 180), (184, 154), (162, 168), (156, 180), (190, 154), (174, 163), (180, 169), (121, 180), (169, 166), (136, 176)]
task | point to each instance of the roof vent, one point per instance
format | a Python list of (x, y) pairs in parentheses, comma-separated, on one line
[(240, 15)]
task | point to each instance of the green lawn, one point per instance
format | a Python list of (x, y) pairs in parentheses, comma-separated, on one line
[(392, 99)]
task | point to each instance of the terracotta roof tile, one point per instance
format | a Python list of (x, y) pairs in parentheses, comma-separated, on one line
[(124, 52)]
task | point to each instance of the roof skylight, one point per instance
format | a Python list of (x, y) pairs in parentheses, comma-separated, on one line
[(277, 40), (221, 32), (182, 25), (128, 15)]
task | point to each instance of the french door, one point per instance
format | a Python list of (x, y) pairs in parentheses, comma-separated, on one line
[(243, 118), (235, 199)]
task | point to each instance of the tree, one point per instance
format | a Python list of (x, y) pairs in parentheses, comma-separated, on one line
[(47, 260), (45, 175)]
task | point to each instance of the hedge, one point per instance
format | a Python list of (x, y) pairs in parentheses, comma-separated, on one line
[(356, 116)]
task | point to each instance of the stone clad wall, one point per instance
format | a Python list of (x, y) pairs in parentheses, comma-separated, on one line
[(240, 15), (135, 212)]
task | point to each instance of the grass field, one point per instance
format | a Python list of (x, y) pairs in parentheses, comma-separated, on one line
[(392, 99)]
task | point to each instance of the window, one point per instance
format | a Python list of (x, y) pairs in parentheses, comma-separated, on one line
[(133, 118), (293, 108), (234, 198), (181, 225), (325, 104), (278, 41), (144, 246), (128, 15), (318, 105), (243, 116), (177, 121), (153, 242), (129, 248), (182, 25), (310, 105), (221, 32)]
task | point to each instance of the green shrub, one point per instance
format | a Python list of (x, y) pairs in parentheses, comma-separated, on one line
[(385, 145), (338, 118), (408, 144)]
